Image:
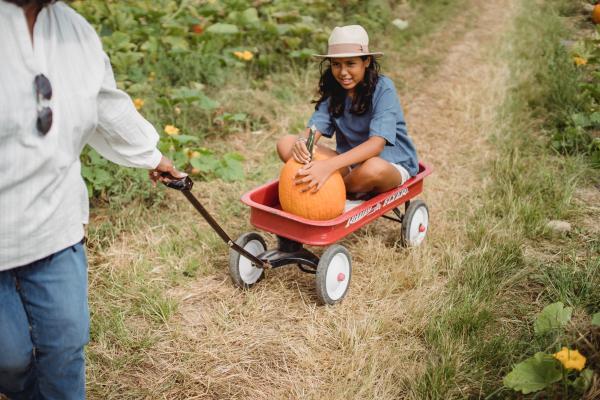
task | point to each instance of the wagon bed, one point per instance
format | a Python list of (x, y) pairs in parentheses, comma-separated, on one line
[(266, 212)]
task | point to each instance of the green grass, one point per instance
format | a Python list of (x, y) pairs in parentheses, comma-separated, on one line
[(484, 325), (123, 206)]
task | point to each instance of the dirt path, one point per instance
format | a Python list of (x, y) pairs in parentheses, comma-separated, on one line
[(273, 342)]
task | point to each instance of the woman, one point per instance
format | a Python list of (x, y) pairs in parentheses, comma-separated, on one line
[(57, 93), (361, 107)]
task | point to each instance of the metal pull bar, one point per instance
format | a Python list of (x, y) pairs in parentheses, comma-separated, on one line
[(184, 185)]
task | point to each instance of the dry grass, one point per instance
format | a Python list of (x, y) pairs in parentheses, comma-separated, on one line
[(160, 334)]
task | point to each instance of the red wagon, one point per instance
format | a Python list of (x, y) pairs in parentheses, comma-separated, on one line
[(249, 256)]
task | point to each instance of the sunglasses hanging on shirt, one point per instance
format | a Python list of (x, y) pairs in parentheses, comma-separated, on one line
[(43, 91)]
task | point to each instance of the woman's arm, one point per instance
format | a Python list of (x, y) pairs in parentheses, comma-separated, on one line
[(123, 136)]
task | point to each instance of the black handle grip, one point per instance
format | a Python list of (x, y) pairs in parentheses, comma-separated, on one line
[(184, 183)]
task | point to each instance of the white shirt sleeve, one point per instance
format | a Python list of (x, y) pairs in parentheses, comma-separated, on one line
[(123, 136)]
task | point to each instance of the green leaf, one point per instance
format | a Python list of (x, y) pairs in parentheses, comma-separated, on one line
[(101, 178), (87, 172), (206, 103), (176, 43), (231, 168), (595, 118), (179, 158), (123, 60), (141, 87), (292, 42), (596, 319), (238, 117), (301, 29), (234, 156), (151, 45), (287, 16), (185, 138), (583, 381), (580, 119), (249, 17), (282, 29), (174, 28), (228, 117), (303, 53), (206, 162), (193, 96), (552, 317), (90, 189), (96, 158), (223, 29), (118, 41), (185, 94), (534, 374)]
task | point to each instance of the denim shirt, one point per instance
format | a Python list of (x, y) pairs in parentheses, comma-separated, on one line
[(385, 119)]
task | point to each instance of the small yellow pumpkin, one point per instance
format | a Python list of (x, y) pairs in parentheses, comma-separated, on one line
[(326, 204), (596, 14)]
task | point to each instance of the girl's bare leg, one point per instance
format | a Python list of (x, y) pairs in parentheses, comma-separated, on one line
[(373, 175)]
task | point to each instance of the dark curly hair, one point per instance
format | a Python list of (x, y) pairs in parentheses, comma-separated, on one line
[(21, 3), (329, 88)]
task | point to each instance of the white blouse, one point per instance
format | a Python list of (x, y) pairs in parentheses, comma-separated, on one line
[(43, 198)]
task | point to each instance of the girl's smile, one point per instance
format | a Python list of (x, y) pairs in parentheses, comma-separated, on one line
[(349, 71)]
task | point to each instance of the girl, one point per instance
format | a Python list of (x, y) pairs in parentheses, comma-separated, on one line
[(374, 152)]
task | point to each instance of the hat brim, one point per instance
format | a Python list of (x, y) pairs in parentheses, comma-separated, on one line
[(343, 55)]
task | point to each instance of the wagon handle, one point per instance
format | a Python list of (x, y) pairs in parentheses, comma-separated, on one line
[(184, 185)]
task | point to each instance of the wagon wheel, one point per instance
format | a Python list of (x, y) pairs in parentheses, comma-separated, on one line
[(243, 273), (333, 274), (415, 224)]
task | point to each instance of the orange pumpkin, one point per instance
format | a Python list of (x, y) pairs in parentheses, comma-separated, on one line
[(326, 204), (596, 14)]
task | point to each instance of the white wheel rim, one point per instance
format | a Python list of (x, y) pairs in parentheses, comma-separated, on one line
[(248, 272), (418, 226), (338, 276)]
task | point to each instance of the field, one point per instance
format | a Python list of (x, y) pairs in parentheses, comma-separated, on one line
[(498, 101)]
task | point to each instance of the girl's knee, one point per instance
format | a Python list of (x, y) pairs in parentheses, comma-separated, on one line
[(374, 169), (285, 145)]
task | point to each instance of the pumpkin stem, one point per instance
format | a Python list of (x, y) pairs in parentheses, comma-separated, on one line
[(310, 142)]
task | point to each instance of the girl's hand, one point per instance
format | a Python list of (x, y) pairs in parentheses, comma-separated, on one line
[(314, 174), (300, 152), (165, 165)]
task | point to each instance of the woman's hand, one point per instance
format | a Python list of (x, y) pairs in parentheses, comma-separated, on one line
[(314, 174), (300, 152), (165, 165)]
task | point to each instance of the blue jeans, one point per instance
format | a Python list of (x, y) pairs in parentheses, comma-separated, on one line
[(44, 325)]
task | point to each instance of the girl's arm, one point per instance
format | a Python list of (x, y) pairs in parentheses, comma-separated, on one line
[(317, 172), (372, 147), (299, 151)]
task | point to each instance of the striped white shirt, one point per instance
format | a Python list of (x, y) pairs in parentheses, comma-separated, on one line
[(43, 198)]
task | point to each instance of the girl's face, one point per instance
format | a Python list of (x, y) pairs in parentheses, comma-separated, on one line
[(349, 71)]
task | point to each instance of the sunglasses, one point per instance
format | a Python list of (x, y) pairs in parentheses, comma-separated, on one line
[(43, 92)]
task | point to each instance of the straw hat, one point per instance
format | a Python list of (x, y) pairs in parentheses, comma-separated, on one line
[(348, 41)]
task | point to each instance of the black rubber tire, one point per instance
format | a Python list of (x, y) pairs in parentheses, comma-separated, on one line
[(321, 276), (407, 220), (235, 258)]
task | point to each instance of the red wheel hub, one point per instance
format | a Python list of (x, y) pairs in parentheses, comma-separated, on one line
[(341, 277), (422, 228)]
